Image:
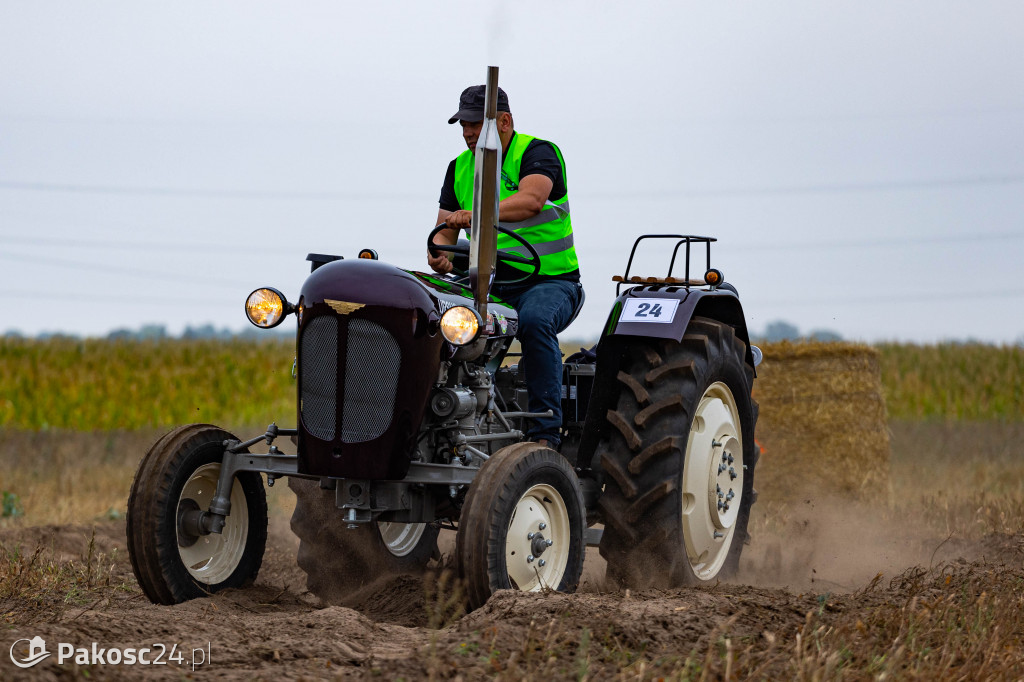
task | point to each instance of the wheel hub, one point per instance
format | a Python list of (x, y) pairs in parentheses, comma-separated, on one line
[(722, 483), (712, 480), (538, 544), (210, 558), (540, 509), (190, 522)]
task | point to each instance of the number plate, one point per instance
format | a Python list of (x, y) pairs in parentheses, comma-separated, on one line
[(657, 310)]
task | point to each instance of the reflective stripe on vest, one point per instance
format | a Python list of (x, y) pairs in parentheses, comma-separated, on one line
[(549, 232)]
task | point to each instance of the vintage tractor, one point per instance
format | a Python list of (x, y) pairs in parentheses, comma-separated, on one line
[(410, 420)]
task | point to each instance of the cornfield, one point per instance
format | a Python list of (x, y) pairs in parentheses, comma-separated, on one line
[(98, 385)]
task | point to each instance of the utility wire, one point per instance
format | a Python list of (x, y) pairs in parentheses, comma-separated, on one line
[(133, 246), (184, 277), (871, 243), (894, 296), (208, 193), (825, 188), (880, 186), (138, 300)]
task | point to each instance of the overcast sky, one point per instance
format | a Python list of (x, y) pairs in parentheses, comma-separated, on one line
[(861, 163)]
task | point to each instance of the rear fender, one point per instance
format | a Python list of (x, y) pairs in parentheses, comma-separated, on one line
[(719, 304), (620, 334)]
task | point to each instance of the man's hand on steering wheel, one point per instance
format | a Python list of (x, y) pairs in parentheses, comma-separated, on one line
[(459, 220), (531, 260), (439, 260), (439, 263)]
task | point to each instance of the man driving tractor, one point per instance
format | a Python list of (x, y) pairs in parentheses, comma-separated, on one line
[(534, 203)]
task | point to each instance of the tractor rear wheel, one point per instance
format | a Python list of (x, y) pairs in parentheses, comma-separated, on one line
[(522, 525), (679, 460), (337, 559)]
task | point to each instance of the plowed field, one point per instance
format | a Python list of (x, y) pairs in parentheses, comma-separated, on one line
[(928, 585)]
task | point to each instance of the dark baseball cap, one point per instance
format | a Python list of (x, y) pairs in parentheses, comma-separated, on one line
[(471, 104)]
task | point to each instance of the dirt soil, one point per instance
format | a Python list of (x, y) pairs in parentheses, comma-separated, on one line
[(406, 627)]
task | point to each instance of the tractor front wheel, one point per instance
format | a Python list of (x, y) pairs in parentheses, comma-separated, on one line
[(522, 525), (176, 481)]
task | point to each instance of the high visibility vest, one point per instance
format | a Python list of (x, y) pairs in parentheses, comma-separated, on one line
[(549, 232)]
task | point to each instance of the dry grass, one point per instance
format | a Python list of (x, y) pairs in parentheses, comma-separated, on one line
[(60, 477)]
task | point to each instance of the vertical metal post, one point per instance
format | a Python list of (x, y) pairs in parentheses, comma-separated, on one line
[(483, 233)]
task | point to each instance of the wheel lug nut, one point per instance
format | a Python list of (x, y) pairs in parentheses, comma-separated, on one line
[(542, 563), (719, 535), (529, 559), (731, 458), (548, 543), (530, 536), (542, 525)]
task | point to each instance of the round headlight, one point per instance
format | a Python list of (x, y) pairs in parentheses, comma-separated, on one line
[(266, 307), (460, 325)]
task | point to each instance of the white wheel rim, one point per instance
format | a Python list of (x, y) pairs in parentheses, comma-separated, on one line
[(212, 558), (540, 517), (401, 538), (712, 481)]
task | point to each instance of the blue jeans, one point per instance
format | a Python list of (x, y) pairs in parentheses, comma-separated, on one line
[(544, 309)]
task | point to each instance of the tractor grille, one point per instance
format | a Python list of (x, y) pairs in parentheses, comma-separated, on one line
[(371, 379), (318, 358)]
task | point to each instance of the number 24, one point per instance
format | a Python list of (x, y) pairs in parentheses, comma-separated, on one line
[(646, 309)]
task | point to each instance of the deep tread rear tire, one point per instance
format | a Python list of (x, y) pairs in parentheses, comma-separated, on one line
[(519, 485), (339, 560), (190, 456), (649, 522)]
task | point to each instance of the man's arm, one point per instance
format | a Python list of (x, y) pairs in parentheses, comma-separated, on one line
[(526, 203)]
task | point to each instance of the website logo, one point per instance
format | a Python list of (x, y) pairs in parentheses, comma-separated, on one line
[(36, 652)]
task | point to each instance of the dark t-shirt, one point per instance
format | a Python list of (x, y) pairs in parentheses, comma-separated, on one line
[(538, 159)]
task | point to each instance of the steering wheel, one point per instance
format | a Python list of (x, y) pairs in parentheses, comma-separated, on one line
[(507, 257)]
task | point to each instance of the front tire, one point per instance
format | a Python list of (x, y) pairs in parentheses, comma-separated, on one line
[(679, 462), (178, 475), (522, 525), (339, 560)]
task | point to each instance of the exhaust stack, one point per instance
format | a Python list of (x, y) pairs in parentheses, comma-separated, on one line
[(483, 252)]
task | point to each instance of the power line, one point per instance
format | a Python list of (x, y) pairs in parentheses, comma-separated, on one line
[(879, 186), (761, 247), (776, 245), (90, 296), (117, 270), (908, 241), (208, 193), (895, 296), (129, 245)]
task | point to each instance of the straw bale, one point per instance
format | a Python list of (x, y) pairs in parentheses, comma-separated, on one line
[(822, 424)]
